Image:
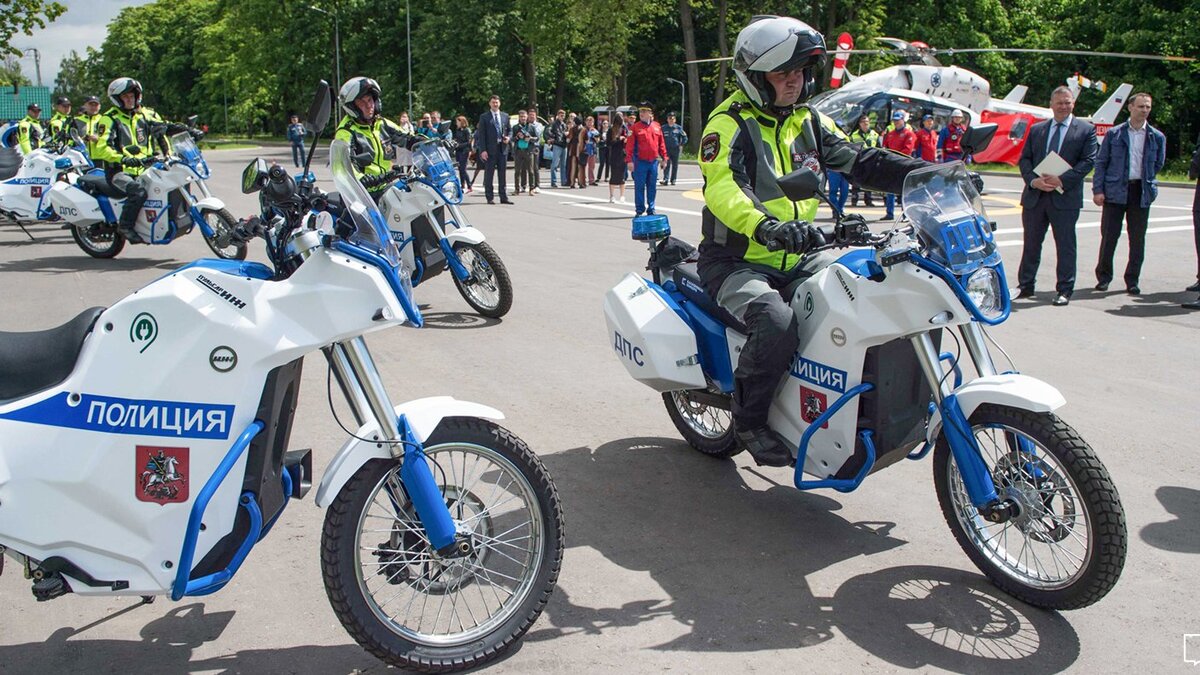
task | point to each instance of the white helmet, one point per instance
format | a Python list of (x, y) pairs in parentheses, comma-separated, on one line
[(354, 88), (776, 43), (956, 113), (122, 85)]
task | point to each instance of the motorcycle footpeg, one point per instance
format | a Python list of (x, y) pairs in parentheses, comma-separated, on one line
[(298, 464), (49, 588)]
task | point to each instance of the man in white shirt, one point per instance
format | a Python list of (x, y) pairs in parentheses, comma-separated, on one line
[(1125, 185)]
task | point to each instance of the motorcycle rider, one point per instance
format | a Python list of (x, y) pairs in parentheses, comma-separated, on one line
[(62, 118), (95, 129), (126, 150), (754, 237), (368, 132), (29, 129)]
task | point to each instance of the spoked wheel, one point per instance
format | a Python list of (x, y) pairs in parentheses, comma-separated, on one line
[(706, 428), (223, 223), (98, 240), (414, 608), (1065, 548), (488, 290)]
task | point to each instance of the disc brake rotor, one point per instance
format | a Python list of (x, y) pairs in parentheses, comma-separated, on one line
[(1048, 507)]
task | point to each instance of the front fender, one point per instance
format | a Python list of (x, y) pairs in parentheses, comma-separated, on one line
[(209, 204), (467, 235), (1013, 390), (423, 417)]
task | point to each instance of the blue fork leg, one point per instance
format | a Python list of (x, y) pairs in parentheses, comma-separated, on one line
[(975, 475), (423, 490)]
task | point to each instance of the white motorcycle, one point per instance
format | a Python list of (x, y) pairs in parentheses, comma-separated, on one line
[(26, 180), (1026, 497), (443, 534), (433, 234), (93, 206)]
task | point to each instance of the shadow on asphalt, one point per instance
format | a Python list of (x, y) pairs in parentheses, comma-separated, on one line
[(733, 562), (1181, 534), (168, 642), (85, 263), (456, 320), (1155, 305)]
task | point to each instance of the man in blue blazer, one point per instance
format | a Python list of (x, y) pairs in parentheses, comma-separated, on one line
[(1193, 174), (491, 143), (1125, 184), (1054, 201)]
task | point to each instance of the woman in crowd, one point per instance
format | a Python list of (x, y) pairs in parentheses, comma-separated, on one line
[(404, 155), (602, 150), (462, 151), (615, 148), (591, 139)]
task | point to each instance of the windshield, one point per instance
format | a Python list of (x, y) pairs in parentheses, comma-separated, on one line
[(949, 217), (369, 229), (185, 147)]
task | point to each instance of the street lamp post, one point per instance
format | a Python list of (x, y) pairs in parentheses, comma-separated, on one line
[(682, 97), (408, 45), (337, 41), (37, 62)]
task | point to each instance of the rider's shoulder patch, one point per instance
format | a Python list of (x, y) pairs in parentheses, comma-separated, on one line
[(710, 147)]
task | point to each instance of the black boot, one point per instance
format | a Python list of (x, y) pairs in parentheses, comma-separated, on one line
[(765, 446)]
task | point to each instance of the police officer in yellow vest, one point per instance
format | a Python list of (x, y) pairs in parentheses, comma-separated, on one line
[(94, 128), (754, 236), (127, 150), (29, 129), (368, 132), (62, 118)]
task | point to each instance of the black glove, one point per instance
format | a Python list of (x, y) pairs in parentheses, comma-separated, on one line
[(131, 162), (792, 236)]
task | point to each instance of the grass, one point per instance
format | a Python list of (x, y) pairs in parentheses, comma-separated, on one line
[(227, 144)]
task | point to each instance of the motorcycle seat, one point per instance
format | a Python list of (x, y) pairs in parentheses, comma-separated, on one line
[(688, 281), (97, 185), (37, 360), (10, 162)]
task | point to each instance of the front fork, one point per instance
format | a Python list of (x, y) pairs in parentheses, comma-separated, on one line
[(967, 456), (359, 379)]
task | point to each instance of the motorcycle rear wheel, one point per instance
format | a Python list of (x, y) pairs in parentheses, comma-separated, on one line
[(223, 223), (98, 241), (488, 290), (706, 428), (409, 606), (1066, 548)]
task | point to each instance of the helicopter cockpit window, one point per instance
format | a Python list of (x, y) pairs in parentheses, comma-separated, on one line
[(1018, 129)]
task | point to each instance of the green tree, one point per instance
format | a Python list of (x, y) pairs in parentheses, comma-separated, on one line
[(77, 78), (10, 72), (23, 16)]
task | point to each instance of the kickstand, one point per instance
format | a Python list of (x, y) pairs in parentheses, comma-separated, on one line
[(27, 232)]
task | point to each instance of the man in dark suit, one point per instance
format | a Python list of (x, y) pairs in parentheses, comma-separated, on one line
[(491, 142), (1194, 173), (1054, 201)]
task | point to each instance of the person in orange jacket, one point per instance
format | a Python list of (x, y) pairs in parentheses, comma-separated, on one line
[(644, 148)]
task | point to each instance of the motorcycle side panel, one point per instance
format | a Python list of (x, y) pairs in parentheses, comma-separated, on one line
[(1012, 389), (650, 336), (842, 314), (423, 416), (179, 366)]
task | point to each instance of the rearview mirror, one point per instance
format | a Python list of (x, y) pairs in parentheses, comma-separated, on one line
[(254, 176), (133, 149), (191, 121), (801, 184), (978, 137), (318, 112)]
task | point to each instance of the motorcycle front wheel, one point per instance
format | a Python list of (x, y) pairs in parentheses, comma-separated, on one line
[(1065, 548), (488, 290), (97, 240), (416, 609), (222, 223)]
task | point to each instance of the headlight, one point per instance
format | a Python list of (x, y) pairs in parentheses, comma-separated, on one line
[(983, 287)]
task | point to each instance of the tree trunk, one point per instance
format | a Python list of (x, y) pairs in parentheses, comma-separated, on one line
[(560, 84), (622, 85), (530, 70), (696, 119), (723, 45)]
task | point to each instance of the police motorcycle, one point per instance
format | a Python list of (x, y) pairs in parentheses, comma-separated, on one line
[(25, 180), (872, 384), (93, 206), (423, 212), (443, 533)]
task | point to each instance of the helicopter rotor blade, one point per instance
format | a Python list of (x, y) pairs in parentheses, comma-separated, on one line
[(1071, 52)]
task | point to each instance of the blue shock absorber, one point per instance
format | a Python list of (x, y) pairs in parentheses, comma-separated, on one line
[(423, 490), (974, 472)]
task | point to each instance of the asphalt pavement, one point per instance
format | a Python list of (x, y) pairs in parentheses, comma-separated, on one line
[(676, 561)]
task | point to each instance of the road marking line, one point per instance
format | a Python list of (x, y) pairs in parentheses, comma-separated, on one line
[(1096, 223), (1152, 230)]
